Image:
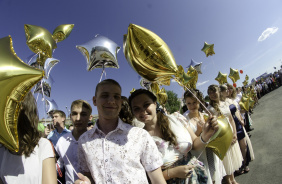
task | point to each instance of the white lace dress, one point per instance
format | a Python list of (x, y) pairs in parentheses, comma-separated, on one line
[(233, 158), (219, 171)]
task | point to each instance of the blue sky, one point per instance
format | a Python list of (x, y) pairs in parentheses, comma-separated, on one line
[(246, 35)]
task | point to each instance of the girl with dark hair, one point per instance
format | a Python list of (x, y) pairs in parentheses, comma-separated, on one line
[(213, 165), (172, 135), (219, 106), (34, 162)]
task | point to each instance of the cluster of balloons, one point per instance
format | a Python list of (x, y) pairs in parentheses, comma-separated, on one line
[(18, 78), (43, 44), (247, 100), (152, 59)]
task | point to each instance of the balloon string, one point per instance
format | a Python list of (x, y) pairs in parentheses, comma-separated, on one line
[(102, 73), (72, 166), (199, 101), (43, 101), (56, 43), (182, 96), (32, 58), (37, 97)]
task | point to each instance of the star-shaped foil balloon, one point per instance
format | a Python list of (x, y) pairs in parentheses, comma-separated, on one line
[(16, 79), (196, 65), (162, 96), (51, 106), (221, 78), (44, 86), (208, 49), (39, 40), (145, 83), (245, 83), (244, 103), (49, 64), (234, 75), (133, 89), (159, 93), (192, 72), (100, 52), (62, 32)]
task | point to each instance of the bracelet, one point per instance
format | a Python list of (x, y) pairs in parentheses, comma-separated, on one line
[(203, 140), (168, 174)]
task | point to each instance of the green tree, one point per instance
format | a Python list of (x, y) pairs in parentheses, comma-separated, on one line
[(173, 104)]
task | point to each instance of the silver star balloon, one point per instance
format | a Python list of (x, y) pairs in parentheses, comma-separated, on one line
[(100, 52), (196, 65), (44, 86), (51, 105)]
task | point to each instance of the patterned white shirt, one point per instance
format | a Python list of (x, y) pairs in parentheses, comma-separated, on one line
[(122, 156)]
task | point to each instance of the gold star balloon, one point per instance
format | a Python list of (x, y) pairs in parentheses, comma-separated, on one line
[(16, 79), (62, 32), (192, 72), (234, 75), (252, 103), (221, 78), (221, 140), (133, 89), (150, 56), (162, 97), (247, 77), (39, 40), (245, 83), (159, 93), (245, 102), (208, 49)]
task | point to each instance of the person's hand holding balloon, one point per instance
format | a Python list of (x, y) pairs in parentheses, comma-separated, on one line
[(210, 127)]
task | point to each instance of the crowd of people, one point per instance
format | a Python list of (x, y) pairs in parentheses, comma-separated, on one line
[(134, 140)]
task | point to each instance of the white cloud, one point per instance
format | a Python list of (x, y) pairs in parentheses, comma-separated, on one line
[(266, 33), (172, 80), (202, 83)]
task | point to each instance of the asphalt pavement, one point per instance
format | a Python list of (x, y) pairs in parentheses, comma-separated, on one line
[(267, 141)]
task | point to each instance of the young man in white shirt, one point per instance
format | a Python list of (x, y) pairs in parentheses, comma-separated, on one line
[(67, 145), (113, 151)]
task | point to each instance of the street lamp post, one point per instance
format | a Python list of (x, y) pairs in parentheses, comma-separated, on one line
[(68, 112)]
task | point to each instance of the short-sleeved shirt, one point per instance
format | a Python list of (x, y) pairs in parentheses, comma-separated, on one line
[(67, 149), (16, 169), (122, 156), (55, 135)]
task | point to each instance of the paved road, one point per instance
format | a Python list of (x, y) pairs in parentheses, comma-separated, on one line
[(267, 142)]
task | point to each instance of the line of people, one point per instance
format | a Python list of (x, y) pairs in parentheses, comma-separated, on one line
[(133, 141)]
